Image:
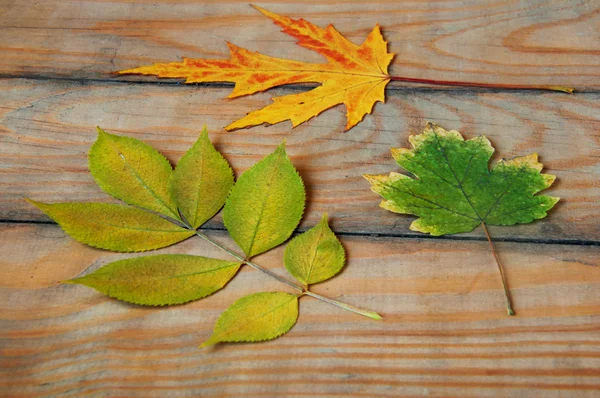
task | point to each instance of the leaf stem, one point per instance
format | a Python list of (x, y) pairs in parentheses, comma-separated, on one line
[(293, 285), (348, 307), (251, 264), (483, 85), (501, 269)]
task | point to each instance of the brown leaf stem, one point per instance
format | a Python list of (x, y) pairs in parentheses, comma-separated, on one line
[(501, 269), (482, 85)]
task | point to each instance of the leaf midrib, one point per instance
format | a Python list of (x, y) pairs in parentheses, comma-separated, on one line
[(459, 182), (195, 273), (137, 177), (274, 169), (381, 76), (314, 257)]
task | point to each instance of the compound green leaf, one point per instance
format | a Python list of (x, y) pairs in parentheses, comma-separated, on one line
[(265, 204), (164, 279), (201, 182), (114, 227), (455, 191), (257, 317), (132, 171), (316, 255)]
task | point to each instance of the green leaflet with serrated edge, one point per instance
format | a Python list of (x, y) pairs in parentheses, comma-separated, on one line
[(163, 279), (114, 227), (132, 171), (201, 182), (257, 317), (265, 205), (316, 255)]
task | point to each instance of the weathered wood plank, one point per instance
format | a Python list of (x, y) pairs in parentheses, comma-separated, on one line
[(445, 331), (47, 128), (493, 41)]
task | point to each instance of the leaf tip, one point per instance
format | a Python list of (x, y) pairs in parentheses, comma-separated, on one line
[(39, 205), (397, 153), (204, 133), (369, 177), (208, 343), (375, 179), (281, 146), (554, 200), (100, 131), (431, 126), (261, 10)]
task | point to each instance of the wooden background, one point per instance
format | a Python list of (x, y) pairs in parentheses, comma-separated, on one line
[(445, 331)]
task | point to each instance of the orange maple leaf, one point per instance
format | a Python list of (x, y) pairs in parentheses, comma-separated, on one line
[(355, 76)]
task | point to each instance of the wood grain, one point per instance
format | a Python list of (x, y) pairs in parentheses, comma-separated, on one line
[(493, 41), (47, 128), (445, 331)]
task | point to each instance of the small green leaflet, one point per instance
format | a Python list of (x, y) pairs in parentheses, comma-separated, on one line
[(265, 205), (455, 191), (165, 207), (257, 317), (316, 255), (163, 279)]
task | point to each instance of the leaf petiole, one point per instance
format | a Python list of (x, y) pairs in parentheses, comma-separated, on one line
[(509, 309), (303, 291), (251, 264), (348, 307), (563, 89)]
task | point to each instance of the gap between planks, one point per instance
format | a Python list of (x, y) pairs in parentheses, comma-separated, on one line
[(391, 86), (458, 237)]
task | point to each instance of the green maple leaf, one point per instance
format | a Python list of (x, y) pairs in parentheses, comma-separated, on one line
[(456, 191)]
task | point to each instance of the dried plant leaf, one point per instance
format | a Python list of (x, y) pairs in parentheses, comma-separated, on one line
[(114, 227), (261, 212), (201, 182), (163, 279), (132, 171), (316, 255), (265, 205), (257, 317), (455, 191), (354, 75)]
